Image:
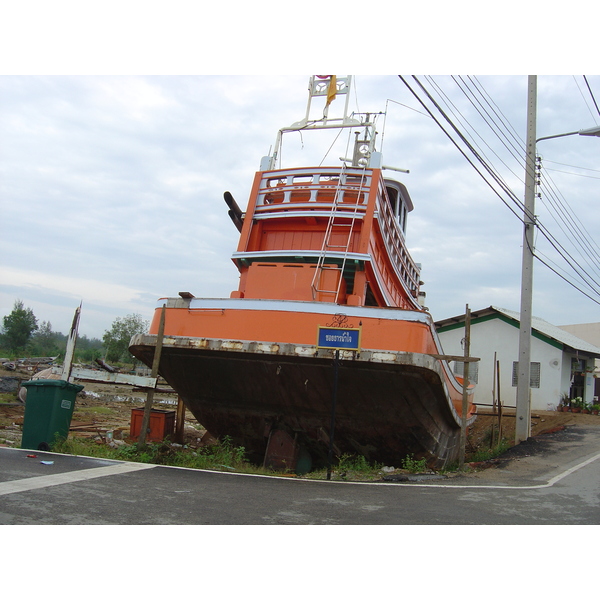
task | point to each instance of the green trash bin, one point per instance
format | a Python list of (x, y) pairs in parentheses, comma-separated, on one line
[(48, 412)]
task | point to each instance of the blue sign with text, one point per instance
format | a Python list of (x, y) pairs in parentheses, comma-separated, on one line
[(339, 338)]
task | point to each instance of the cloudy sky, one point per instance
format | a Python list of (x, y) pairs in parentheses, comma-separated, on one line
[(111, 183)]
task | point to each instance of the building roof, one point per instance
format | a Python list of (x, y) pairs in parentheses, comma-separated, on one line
[(543, 328)]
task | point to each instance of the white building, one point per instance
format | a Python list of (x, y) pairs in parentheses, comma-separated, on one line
[(561, 363), (590, 332)]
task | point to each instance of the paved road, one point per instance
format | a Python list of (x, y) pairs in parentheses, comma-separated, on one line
[(558, 483)]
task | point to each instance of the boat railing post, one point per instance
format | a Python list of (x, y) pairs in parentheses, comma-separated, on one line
[(336, 364)]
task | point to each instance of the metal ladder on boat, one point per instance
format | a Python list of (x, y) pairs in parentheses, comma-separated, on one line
[(340, 225)]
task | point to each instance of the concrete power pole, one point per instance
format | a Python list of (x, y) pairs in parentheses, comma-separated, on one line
[(523, 412)]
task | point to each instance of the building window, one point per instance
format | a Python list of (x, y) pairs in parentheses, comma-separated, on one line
[(459, 369), (534, 374)]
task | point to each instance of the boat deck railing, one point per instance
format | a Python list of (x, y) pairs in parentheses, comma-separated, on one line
[(393, 239), (314, 189)]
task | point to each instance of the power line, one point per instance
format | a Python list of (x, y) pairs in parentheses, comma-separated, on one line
[(469, 146), (537, 255), (569, 225), (591, 93), (572, 166), (571, 173)]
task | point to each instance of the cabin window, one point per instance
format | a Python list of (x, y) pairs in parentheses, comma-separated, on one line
[(398, 206), (393, 197), (534, 374)]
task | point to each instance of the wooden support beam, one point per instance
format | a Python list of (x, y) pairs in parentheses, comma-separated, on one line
[(451, 357), (155, 364), (179, 421)]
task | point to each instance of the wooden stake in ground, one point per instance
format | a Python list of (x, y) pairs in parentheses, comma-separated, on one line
[(499, 405), (179, 421), (150, 395), (493, 399)]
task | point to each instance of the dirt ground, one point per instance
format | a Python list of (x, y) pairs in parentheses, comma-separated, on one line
[(100, 408), (542, 422)]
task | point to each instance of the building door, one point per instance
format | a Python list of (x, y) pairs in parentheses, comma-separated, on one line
[(577, 378)]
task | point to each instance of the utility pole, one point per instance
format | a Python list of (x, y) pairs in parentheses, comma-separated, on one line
[(465, 396), (523, 412)]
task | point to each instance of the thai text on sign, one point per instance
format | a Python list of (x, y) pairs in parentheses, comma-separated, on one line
[(338, 338)]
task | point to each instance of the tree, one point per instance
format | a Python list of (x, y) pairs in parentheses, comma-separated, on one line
[(116, 341), (88, 349), (45, 341), (18, 328)]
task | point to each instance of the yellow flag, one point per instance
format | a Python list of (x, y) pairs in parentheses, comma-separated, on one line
[(332, 90)]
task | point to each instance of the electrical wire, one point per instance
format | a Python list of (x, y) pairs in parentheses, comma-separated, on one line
[(564, 278), (572, 166), (469, 146), (583, 97), (591, 94), (558, 208)]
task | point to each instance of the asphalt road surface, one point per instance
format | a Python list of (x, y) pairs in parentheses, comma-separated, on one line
[(555, 480)]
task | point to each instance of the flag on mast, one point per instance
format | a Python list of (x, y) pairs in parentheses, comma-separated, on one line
[(332, 90)]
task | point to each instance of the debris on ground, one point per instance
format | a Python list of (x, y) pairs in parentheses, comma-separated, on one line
[(103, 414)]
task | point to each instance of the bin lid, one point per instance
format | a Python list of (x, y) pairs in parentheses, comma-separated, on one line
[(61, 383)]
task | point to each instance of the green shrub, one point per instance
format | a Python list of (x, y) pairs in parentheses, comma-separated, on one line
[(414, 466)]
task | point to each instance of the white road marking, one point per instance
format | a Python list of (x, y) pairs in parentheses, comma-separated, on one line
[(35, 483)]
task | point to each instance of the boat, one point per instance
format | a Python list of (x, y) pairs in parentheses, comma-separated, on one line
[(325, 349)]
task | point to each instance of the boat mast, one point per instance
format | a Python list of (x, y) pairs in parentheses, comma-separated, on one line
[(328, 87)]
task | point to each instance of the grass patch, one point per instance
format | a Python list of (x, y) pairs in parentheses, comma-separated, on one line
[(349, 467), (223, 456), (483, 454), (8, 398)]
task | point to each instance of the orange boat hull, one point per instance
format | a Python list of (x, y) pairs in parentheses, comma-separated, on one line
[(250, 371)]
